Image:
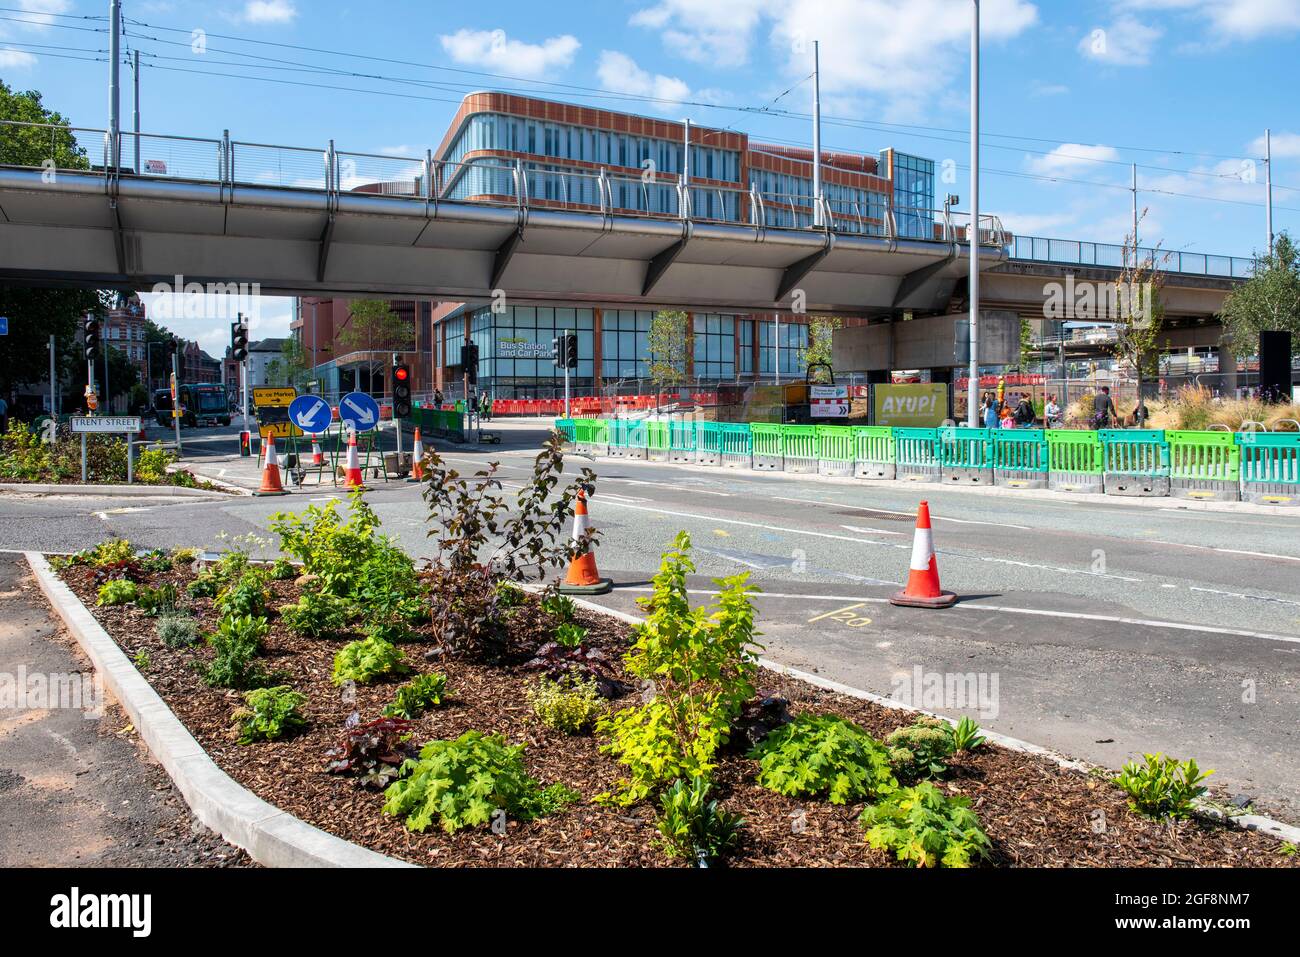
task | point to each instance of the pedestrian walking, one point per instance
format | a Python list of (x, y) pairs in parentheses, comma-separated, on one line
[(1052, 413), (1103, 409), (1025, 415), (437, 398), (990, 412)]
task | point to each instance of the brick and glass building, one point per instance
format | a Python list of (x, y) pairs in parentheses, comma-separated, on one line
[(644, 159)]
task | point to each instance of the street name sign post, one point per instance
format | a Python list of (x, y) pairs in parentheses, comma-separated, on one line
[(84, 425)]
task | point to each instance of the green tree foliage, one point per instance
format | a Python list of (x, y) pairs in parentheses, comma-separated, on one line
[(374, 327), (33, 146), (1268, 301), (668, 341), (1141, 318), (821, 332)]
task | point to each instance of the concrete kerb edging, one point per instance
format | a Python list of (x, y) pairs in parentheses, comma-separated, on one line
[(152, 491), (272, 837), (1254, 822)]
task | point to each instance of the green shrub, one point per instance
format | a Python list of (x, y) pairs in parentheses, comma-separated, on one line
[(966, 736), (247, 596), (702, 666), (185, 556), (156, 560), (236, 642), (205, 584), (142, 660), (570, 635), (1162, 787), (368, 660), (463, 783), (151, 466), (918, 750), (925, 828), (282, 570), (570, 705), (271, 713), (316, 614), (417, 696), (823, 756), (112, 551), (119, 591), (560, 607), (692, 826), (509, 595), (157, 601), (177, 630)]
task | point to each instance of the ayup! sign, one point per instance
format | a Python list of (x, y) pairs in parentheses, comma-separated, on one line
[(912, 405)]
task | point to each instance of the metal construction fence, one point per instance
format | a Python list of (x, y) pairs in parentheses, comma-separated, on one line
[(1262, 467)]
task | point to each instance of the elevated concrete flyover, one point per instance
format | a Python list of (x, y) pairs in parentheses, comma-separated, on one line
[(97, 229)]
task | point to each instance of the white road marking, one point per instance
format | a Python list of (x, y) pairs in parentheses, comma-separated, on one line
[(1234, 594), (676, 487), (869, 531), (975, 606), (734, 558), (1230, 551), (890, 511)]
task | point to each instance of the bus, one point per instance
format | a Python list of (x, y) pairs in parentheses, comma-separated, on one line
[(203, 404)]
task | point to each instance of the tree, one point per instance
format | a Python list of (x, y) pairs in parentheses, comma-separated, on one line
[(668, 341), (821, 332), (36, 146), (1140, 312), (293, 360), (374, 327), (1026, 343), (1268, 301)]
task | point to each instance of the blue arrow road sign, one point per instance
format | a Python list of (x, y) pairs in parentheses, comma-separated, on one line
[(310, 413), (358, 411), (4, 325)]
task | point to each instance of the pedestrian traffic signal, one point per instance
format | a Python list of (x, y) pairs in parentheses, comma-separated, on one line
[(401, 390), (90, 337), (571, 351), (469, 360), (238, 341), (557, 351)]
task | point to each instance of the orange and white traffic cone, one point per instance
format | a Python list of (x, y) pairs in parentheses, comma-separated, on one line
[(923, 589), (352, 467), (317, 456), (582, 577), (417, 458), (271, 471)]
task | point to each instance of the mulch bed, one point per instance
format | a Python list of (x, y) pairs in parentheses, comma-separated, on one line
[(1036, 813)]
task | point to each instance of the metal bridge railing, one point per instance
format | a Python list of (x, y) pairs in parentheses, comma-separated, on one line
[(1075, 253)]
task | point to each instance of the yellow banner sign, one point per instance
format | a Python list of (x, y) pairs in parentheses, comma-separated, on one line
[(272, 406), (914, 405), (281, 430), (268, 395)]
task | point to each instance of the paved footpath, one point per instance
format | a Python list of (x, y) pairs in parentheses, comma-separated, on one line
[(79, 791)]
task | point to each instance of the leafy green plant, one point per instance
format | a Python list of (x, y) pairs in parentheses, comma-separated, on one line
[(157, 601), (373, 752), (247, 596), (111, 551), (282, 570), (570, 705), (692, 826), (177, 630), (118, 591), (925, 828), (236, 642), (185, 556), (560, 607), (463, 783), (702, 667), (368, 660), (1162, 787), (918, 750), (142, 660), (417, 696), (570, 635), (205, 584), (271, 713), (316, 614), (823, 756), (509, 595), (966, 736), (156, 560)]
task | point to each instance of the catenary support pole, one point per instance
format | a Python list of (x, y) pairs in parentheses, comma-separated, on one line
[(1268, 187), (135, 63), (973, 382), (817, 138), (114, 157)]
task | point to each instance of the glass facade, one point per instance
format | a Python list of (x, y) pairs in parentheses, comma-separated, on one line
[(715, 346), (793, 338), (625, 343), (913, 195), (788, 202)]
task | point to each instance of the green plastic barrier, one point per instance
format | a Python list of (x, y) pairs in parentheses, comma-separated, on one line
[(439, 423), (799, 448), (681, 441), (708, 443), (834, 449), (1075, 460), (915, 454), (656, 441), (568, 428), (965, 455), (1135, 462), (1204, 465), (1020, 458), (1270, 467), (591, 435), (627, 439), (736, 445), (873, 451), (766, 437)]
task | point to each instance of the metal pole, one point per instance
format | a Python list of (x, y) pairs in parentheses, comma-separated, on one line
[(130, 457), (817, 138), (1135, 215), (973, 382), (176, 402), (566, 373), (686, 155), (54, 408), (1268, 186), (776, 332), (107, 407), (114, 70), (135, 62)]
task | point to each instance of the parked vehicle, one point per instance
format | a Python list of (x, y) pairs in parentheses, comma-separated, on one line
[(201, 404)]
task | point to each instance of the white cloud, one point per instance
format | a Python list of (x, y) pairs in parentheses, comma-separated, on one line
[(269, 11), (493, 50), (619, 73), (41, 10), (1285, 146), (1126, 42), (718, 32), (1231, 19), (16, 60), (1070, 157)]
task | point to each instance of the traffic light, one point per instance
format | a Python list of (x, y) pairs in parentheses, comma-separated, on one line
[(401, 390), (238, 341), (557, 351), (90, 337), (571, 351), (469, 360)]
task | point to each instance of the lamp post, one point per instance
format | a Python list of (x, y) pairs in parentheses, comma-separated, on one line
[(973, 381)]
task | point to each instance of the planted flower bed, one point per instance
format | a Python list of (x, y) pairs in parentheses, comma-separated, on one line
[(449, 718)]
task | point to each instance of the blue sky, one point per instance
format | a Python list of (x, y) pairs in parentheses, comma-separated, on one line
[(1071, 91)]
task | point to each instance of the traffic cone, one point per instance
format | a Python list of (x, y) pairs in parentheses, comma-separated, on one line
[(352, 466), (271, 472), (923, 589), (582, 577), (317, 456), (417, 458)]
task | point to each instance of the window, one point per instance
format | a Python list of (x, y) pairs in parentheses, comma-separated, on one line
[(793, 338), (625, 344), (715, 346)]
